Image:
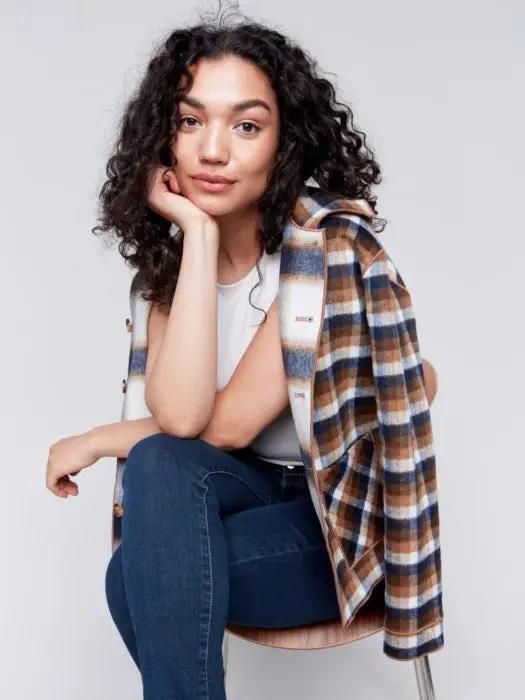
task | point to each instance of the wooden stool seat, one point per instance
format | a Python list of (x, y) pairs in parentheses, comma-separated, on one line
[(368, 620), (318, 635)]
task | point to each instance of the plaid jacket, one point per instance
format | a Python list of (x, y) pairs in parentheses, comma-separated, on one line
[(355, 381)]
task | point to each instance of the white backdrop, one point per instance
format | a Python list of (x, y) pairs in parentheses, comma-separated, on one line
[(439, 91)]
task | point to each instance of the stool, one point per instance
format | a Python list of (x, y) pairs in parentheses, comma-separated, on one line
[(368, 620)]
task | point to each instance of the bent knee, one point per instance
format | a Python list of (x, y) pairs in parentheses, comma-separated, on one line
[(151, 444), (155, 454), (146, 455)]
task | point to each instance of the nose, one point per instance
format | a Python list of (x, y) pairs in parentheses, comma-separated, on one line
[(214, 147)]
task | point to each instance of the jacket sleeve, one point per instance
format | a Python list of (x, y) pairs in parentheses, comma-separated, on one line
[(413, 592)]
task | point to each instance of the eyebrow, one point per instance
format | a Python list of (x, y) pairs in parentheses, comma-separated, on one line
[(236, 107)]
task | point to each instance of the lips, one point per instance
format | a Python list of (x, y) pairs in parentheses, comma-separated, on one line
[(211, 177), (212, 187)]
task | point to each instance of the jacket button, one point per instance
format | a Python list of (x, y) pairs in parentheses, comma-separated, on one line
[(129, 325), (124, 386), (118, 510)]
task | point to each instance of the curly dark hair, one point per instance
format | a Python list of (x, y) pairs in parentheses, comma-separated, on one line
[(318, 140)]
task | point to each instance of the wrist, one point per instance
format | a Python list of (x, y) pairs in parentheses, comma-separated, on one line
[(93, 442), (202, 229)]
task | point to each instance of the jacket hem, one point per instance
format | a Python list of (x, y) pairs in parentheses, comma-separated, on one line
[(408, 648), (358, 580)]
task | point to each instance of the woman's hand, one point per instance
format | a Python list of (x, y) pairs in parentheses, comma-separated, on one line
[(430, 380), (165, 200), (68, 456)]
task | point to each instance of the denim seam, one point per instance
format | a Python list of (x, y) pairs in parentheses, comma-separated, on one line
[(255, 491), (277, 554), (210, 598)]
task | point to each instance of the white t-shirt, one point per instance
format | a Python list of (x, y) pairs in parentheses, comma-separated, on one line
[(237, 323)]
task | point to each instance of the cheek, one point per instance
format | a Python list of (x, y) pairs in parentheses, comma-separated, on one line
[(258, 159), (180, 151)]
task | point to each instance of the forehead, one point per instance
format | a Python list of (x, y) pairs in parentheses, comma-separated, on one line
[(229, 79)]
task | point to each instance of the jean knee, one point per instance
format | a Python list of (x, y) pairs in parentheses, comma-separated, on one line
[(144, 456)]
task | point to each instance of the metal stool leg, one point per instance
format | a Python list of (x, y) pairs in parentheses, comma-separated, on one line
[(424, 678), (225, 653)]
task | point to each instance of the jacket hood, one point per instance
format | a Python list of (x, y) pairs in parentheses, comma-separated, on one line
[(314, 203)]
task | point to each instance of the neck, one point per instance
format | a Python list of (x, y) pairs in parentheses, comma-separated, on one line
[(238, 245)]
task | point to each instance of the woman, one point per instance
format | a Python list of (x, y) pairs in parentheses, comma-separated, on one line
[(218, 524)]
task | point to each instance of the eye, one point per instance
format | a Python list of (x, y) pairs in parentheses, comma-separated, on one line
[(249, 133), (183, 118)]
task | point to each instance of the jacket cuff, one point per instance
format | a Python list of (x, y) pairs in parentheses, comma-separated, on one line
[(404, 647)]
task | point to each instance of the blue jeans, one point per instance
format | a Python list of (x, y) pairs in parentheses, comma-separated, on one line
[(210, 536)]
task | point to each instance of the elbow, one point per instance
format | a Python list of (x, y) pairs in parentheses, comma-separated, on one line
[(168, 420), (179, 428), (183, 425), (228, 431), (238, 442)]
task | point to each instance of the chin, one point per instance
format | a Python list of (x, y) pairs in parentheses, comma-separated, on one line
[(212, 204)]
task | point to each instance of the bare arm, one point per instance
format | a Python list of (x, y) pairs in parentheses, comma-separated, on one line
[(117, 439), (181, 381), (256, 393)]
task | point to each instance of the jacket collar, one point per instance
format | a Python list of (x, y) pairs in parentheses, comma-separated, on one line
[(314, 203)]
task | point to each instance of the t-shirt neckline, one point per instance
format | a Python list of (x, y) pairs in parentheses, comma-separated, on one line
[(243, 279)]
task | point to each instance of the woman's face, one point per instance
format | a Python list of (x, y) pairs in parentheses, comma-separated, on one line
[(217, 134)]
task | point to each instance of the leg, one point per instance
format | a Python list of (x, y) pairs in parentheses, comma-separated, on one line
[(280, 582), (276, 580), (118, 603), (174, 559), (280, 573)]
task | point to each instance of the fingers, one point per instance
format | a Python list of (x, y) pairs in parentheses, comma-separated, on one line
[(164, 174), (162, 181), (58, 490), (157, 177), (63, 487), (171, 181), (67, 487)]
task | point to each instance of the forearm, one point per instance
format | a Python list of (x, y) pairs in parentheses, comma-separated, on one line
[(257, 392), (230, 423), (182, 385), (117, 439), (221, 431)]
